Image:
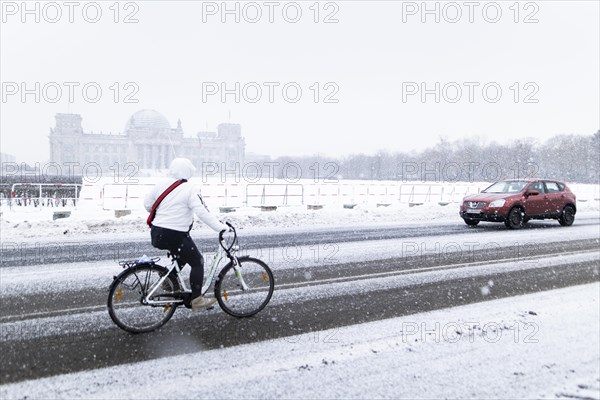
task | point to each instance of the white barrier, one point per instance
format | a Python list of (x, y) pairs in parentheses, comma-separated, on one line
[(121, 196), (280, 193), (586, 192), (274, 194), (110, 195)]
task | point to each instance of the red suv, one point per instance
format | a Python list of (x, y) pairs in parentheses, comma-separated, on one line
[(516, 201)]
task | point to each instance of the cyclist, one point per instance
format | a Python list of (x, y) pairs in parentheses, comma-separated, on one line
[(173, 221)]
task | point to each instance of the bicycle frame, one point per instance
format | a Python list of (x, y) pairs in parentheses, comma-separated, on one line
[(210, 277), (144, 284)]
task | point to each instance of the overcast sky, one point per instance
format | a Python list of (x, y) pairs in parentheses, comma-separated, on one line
[(375, 59)]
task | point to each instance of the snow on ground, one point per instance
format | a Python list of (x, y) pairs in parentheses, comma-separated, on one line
[(37, 223), (513, 246), (73, 321), (542, 345), (96, 216)]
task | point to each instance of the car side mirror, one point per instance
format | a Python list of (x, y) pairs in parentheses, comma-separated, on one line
[(532, 193)]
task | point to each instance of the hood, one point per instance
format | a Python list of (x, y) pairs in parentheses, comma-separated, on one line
[(181, 168), (487, 197)]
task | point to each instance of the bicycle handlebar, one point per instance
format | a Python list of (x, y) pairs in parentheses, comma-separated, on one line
[(228, 249)]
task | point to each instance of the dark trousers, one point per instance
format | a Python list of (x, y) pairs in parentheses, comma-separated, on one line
[(183, 247)]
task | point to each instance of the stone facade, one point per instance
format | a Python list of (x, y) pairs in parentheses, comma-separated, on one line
[(148, 140)]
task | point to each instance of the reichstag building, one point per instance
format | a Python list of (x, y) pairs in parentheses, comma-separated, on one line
[(147, 140)]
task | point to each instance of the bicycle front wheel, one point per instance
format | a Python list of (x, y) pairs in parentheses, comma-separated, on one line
[(126, 299), (245, 289)]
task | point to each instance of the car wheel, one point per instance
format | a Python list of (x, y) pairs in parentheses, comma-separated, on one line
[(515, 218), (471, 222), (567, 217)]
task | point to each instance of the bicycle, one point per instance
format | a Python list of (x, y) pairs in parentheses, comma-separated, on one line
[(145, 295)]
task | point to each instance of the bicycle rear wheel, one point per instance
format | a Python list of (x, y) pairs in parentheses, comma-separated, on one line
[(240, 302), (126, 305)]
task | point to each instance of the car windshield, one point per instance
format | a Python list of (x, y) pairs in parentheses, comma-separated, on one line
[(506, 187)]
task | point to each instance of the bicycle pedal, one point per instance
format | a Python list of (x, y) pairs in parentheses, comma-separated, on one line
[(187, 299)]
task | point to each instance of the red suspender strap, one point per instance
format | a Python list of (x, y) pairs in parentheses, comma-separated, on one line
[(161, 198)]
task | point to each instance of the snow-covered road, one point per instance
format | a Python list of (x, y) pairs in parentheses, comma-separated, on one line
[(54, 326), (542, 345)]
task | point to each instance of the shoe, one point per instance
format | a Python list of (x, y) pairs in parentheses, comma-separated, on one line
[(202, 303)]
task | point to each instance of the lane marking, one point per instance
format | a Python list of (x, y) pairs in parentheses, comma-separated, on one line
[(317, 283), (426, 269)]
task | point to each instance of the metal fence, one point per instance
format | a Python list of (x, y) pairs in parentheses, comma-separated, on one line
[(42, 195)]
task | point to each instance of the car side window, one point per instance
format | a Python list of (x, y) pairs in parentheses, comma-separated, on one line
[(539, 186), (552, 187)]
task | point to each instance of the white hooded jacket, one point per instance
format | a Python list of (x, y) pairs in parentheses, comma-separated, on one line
[(177, 210)]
